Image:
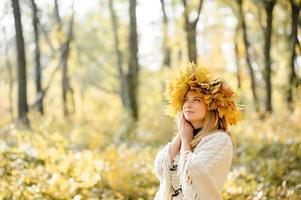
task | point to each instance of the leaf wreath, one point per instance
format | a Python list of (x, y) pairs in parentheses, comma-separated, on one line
[(216, 94)]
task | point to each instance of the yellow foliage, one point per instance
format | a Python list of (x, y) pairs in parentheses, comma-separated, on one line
[(216, 94)]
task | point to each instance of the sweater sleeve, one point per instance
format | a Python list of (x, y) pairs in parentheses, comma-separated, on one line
[(161, 168), (162, 161), (196, 177)]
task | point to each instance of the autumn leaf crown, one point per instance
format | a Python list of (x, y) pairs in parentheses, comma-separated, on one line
[(216, 94)]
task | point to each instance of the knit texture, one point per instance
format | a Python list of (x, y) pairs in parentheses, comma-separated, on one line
[(202, 173)]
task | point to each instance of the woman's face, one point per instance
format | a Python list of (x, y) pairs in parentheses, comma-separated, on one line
[(194, 108)]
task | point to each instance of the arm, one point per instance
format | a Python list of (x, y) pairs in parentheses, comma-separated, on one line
[(165, 155), (162, 161), (161, 167), (186, 147), (175, 146), (195, 168)]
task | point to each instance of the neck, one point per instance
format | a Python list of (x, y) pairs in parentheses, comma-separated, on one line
[(198, 124)]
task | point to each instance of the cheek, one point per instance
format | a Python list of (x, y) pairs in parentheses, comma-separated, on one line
[(202, 110)]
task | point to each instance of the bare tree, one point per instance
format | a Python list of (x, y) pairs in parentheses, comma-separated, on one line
[(247, 53), (65, 51), (133, 71), (190, 28), (57, 14), (38, 74), (293, 79), (269, 7), (123, 89), (66, 85), (21, 69), (42, 95), (166, 47)]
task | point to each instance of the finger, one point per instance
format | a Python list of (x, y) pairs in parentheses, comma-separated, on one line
[(180, 116), (184, 126), (186, 121), (178, 122), (184, 117), (181, 120), (187, 124)]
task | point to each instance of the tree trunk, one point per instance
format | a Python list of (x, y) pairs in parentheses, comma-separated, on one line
[(38, 74), (65, 48), (22, 86), (66, 86), (133, 71), (293, 80), (269, 7), (57, 14), (247, 54), (166, 47), (123, 89), (190, 28), (191, 41)]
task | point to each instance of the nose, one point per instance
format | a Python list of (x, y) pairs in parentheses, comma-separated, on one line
[(187, 104)]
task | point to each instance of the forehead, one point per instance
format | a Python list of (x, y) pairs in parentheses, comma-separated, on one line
[(192, 93)]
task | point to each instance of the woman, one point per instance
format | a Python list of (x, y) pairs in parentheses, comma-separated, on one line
[(195, 164)]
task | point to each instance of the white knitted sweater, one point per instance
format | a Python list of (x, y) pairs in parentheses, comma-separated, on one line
[(202, 172)]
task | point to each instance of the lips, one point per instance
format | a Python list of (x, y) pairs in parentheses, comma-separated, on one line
[(189, 112)]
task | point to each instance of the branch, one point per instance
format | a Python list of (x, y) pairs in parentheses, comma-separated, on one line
[(111, 91), (91, 57), (46, 37), (298, 44), (199, 12), (42, 95), (185, 11)]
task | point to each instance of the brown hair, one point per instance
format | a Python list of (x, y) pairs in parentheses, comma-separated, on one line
[(212, 123)]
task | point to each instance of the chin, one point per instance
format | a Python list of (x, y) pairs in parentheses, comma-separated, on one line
[(189, 118), (192, 118)]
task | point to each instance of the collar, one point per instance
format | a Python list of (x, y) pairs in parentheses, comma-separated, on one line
[(196, 131)]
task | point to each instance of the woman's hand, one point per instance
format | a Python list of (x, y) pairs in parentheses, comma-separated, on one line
[(185, 129)]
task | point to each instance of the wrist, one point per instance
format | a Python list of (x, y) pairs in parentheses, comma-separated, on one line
[(186, 146), (185, 142)]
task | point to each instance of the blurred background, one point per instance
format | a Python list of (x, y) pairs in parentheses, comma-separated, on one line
[(82, 93)]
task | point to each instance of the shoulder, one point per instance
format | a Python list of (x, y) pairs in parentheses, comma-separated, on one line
[(221, 134), (216, 138)]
